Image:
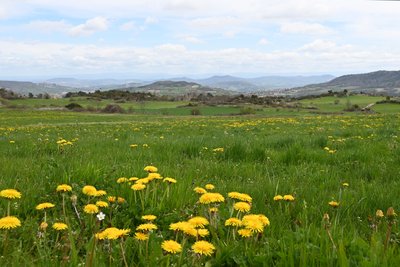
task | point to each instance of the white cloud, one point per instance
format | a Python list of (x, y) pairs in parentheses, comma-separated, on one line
[(263, 41), (48, 26), (212, 23), (89, 27), (151, 20), (320, 55), (128, 26), (230, 34), (191, 39), (305, 28), (371, 27), (319, 46)]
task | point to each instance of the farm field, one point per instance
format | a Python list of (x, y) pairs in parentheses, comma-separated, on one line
[(322, 189), (321, 105)]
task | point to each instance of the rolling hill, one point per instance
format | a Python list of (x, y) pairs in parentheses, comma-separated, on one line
[(378, 82), (261, 83), (25, 88), (176, 88)]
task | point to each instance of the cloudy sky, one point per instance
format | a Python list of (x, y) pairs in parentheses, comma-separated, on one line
[(140, 38)]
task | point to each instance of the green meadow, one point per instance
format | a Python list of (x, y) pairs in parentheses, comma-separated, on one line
[(338, 175)]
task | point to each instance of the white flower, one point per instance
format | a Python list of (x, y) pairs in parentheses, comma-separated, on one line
[(100, 216)]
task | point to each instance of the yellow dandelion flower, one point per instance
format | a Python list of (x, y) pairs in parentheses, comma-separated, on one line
[(45, 205), (245, 233), (245, 197), (233, 222), (101, 204), (218, 149), (203, 248), (121, 200), (198, 221), (190, 230), (242, 206), (134, 146), (60, 226), (255, 222), (91, 209), (64, 188), (334, 204), (179, 226), (100, 193), (10, 193), (149, 217), (141, 236), (264, 219), (169, 180), (199, 190), (288, 197), (202, 232), (143, 181), (9, 222), (89, 190), (278, 198), (254, 225), (122, 180), (209, 187), (150, 169), (345, 184), (138, 187), (112, 233), (146, 227), (171, 246), (154, 175), (208, 198), (379, 214), (133, 179)]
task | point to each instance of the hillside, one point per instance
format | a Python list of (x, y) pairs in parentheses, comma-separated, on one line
[(176, 88), (261, 83), (94, 83), (378, 82), (25, 88)]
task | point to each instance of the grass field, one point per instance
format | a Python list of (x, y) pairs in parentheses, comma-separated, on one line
[(347, 160)]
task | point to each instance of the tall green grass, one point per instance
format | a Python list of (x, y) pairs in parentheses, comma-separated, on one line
[(263, 156)]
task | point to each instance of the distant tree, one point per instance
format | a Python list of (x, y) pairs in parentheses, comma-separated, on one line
[(30, 95)]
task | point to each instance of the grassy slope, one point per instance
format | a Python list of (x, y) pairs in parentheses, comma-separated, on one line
[(262, 157)]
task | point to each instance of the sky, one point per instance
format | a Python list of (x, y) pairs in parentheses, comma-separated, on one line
[(143, 38)]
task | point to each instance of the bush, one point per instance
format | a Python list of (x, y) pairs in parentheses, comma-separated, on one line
[(113, 109), (195, 111), (74, 106), (247, 111)]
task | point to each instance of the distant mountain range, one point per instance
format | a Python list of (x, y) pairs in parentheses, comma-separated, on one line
[(385, 82), (25, 88), (217, 83)]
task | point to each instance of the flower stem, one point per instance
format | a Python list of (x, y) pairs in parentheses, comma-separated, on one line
[(123, 253)]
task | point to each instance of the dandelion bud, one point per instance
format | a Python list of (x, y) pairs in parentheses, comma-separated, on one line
[(391, 213), (74, 199), (326, 217), (43, 226), (379, 214)]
